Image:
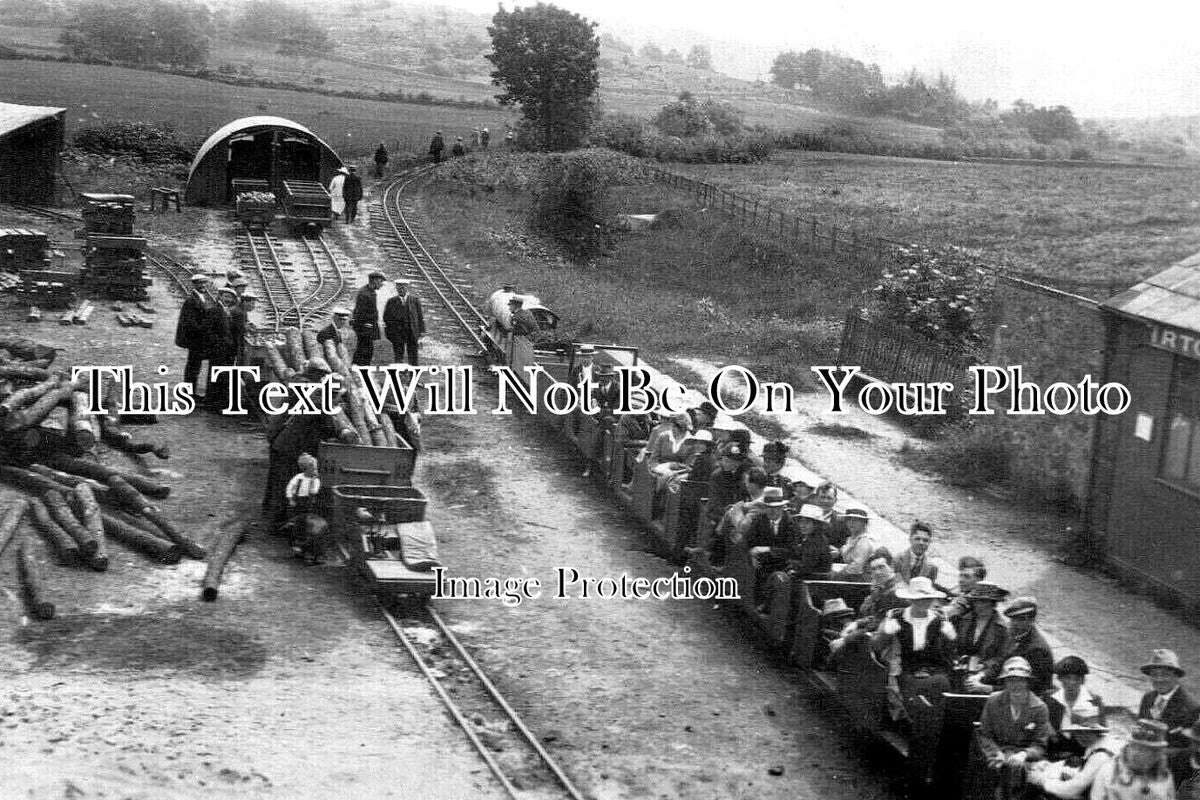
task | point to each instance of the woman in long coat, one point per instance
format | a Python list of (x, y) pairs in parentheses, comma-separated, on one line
[(337, 200)]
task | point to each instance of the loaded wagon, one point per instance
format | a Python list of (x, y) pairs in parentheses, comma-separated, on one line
[(307, 206)]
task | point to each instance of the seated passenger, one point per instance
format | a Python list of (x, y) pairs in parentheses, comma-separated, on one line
[(725, 485), (1029, 644), (774, 456), (920, 656), (1013, 729), (1140, 771), (731, 528), (970, 572), (703, 416), (914, 562), (861, 545), (667, 446), (523, 322), (983, 638), (769, 537), (1072, 704), (810, 547), (1074, 781), (883, 597), (835, 615), (1190, 788)]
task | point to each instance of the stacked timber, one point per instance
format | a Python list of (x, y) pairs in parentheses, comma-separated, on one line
[(108, 214), (47, 288), (22, 249), (115, 266)]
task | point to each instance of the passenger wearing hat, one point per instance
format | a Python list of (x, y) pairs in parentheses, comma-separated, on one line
[(1057, 779), (584, 365), (498, 310), (1170, 703), (1190, 788), (715, 538), (1014, 727), (365, 321), (1072, 703), (919, 651), (222, 347), (811, 547), (703, 415), (337, 188), (521, 319), (914, 562), (666, 447), (1140, 770), (770, 537), (835, 615), (725, 485), (983, 639), (339, 331), (404, 323), (1028, 643), (352, 192), (191, 332), (884, 584), (774, 457), (858, 547)]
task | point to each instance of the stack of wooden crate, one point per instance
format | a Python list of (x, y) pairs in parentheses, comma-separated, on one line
[(108, 214), (115, 267)]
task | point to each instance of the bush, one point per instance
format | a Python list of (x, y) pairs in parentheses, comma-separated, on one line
[(942, 295), (570, 190), (968, 455), (630, 135), (151, 144)]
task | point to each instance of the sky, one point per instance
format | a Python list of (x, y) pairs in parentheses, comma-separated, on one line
[(1101, 59)]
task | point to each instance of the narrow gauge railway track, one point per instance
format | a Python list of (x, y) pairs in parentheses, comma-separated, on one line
[(259, 253), (179, 273), (399, 239), (510, 749), (329, 285)]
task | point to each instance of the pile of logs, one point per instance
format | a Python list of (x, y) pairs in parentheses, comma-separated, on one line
[(285, 361), (76, 504)]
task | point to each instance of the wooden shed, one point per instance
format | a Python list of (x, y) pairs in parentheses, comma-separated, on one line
[(1144, 497), (272, 149), (31, 139)]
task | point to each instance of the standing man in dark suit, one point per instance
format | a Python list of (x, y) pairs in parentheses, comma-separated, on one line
[(365, 322), (1169, 703), (221, 347), (352, 192), (404, 323), (190, 332)]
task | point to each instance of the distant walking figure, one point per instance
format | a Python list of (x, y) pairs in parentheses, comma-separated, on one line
[(352, 191), (381, 159), (484, 138), (437, 146), (337, 198), (475, 136), (458, 149)]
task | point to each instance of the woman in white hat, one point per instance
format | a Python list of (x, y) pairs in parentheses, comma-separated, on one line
[(1014, 727), (1140, 771), (920, 654), (337, 199)]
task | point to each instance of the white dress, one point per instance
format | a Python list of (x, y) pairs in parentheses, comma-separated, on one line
[(337, 203)]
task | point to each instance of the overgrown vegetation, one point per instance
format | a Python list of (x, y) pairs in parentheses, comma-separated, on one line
[(686, 130), (148, 143), (966, 455), (139, 31), (569, 192), (293, 29)]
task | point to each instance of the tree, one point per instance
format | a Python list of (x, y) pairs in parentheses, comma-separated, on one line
[(615, 43), (545, 59), (651, 52), (787, 70), (1044, 125), (682, 118), (700, 57), (293, 29), (674, 56), (139, 32)]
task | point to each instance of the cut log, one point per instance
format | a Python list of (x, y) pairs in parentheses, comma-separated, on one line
[(31, 582), (34, 314), (335, 360), (99, 472), (82, 425), (63, 545), (217, 561), (83, 501), (24, 372), (294, 349), (54, 426), (12, 521), (23, 440), (27, 349), (82, 316), (129, 497), (160, 550), (34, 413), (56, 503), (312, 348), (23, 397), (67, 480), (278, 365), (345, 427), (168, 529), (389, 430)]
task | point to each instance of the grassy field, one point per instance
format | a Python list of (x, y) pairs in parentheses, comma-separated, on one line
[(95, 95), (1069, 222)]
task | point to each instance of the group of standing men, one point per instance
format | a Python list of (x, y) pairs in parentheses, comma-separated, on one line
[(480, 138), (403, 321), (212, 327)]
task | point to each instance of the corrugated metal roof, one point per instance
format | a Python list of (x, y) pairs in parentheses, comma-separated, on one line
[(1172, 297), (13, 116), (246, 124)]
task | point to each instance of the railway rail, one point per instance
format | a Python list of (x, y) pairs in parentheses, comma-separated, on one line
[(495, 729), (400, 240)]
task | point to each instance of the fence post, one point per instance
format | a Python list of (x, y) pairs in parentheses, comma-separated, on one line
[(813, 238), (833, 238)]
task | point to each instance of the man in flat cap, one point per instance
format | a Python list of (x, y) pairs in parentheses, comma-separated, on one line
[(239, 323), (404, 323), (983, 639), (365, 321), (1029, 644), (190, 332), (222, 348), (1169, 703), (338, 331)]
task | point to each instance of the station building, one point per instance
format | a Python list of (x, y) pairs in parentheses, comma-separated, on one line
[(272, 149), (1144, 498), (31, 139)]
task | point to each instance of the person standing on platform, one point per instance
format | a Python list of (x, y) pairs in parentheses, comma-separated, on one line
[(352, 191), (381, 160), (190, 331), (337, 189), (437, 145), (404, 323), (365, 322)]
